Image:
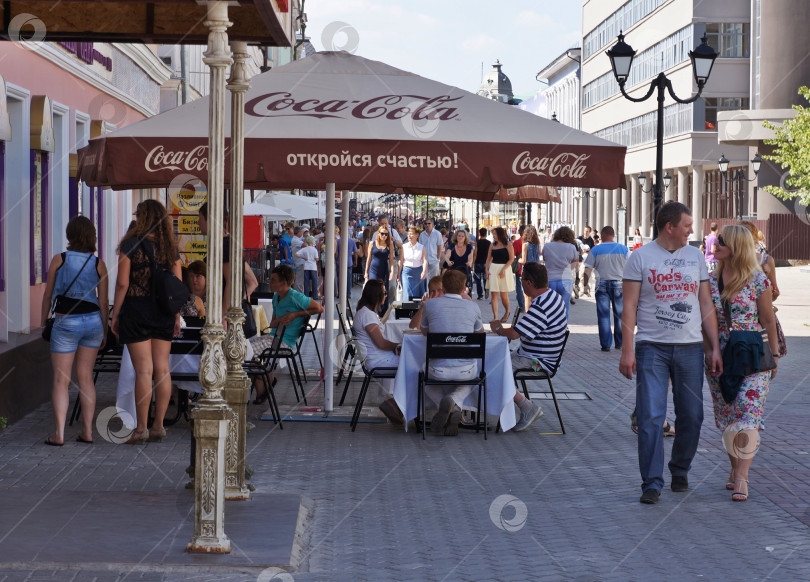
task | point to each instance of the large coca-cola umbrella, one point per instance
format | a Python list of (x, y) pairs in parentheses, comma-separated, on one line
[(362, 125)]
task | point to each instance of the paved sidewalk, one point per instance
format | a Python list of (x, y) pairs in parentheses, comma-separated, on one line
[(384, 505)]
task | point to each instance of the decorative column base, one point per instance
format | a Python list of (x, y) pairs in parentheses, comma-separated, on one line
[(210, 426), (236, 394)]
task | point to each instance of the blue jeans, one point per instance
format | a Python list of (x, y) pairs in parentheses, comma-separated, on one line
[(563, 287), (480, 277), (609, 293), (656, 365), (311, 284), (521, 301), (73, 331)]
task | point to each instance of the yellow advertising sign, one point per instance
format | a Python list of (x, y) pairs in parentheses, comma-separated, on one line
[(188, 224), (188, 198)]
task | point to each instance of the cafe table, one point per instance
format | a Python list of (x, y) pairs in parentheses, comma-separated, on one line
[(498, 365)]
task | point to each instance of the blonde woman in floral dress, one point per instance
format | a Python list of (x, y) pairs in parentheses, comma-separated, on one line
[(740, 281)]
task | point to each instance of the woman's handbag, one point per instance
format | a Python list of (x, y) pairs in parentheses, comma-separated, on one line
[(780, 338), (249, 327), (169, 292), (760, 357), (46, 331)]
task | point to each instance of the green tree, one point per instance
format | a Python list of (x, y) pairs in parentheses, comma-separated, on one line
[(792, 152)]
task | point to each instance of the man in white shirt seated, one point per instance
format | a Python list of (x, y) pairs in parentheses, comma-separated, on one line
[(450, 313), (541, 332)]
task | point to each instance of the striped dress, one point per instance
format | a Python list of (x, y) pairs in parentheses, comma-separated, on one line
[(542, 329)]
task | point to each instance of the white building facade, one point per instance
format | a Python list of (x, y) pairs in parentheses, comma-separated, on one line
[(663, 32)]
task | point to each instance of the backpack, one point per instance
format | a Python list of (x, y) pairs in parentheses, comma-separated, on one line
[(169, 292)]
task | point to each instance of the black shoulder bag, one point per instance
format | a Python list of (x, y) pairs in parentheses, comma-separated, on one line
[(46, 331), (169, 292)]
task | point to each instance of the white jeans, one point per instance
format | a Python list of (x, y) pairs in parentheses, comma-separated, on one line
[(458, 393)]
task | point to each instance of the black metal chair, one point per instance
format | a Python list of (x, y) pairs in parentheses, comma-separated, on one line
[(189, 343), (349, 358), (455, 346), (312, 329), (379, 373), (524, 374), (261, 366), (282, 351)]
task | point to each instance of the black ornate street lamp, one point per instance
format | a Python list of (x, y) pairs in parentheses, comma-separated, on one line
[(621, 58), (740, 176)]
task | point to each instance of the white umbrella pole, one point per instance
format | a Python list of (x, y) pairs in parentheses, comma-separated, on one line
[(329, 301), (343, 273)]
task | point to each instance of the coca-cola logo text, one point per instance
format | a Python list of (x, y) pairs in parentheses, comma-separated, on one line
[(563, 165), (456, 339), (417, 107), (195, 160)]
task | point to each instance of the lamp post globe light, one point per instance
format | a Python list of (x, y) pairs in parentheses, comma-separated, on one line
[(621, 59), (740, 177)]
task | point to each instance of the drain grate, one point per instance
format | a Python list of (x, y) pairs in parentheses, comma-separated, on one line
[(560, 396)]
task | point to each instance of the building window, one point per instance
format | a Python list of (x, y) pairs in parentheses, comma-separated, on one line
[(641, 130), (663, 55), (730, 39), (715, 104), (39, 217), (626, 16)]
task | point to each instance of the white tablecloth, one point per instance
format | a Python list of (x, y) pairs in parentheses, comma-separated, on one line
[(500, 383), (394, 328), (179, 363)]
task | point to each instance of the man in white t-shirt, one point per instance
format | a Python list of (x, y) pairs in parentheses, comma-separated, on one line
[(431, 239), (666, 294)]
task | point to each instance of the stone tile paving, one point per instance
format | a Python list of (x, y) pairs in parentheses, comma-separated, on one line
[(388, 506)]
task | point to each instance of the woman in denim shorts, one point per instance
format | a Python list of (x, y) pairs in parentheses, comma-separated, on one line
[(136, 319), (80, 326)]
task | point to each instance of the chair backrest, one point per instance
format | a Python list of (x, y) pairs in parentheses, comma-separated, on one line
[(268, 352), (559, 356), (189, 343), (456, 346), (303, 333), (404, 312)]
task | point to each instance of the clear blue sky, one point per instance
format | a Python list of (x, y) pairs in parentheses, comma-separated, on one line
[(448, 40)]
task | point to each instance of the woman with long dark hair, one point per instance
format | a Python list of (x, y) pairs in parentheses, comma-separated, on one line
[(499, 267), (79, 282), (376, 350), (740, 284), (138, 321)]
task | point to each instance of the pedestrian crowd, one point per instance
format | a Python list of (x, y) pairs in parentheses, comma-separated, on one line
[(675, 313)]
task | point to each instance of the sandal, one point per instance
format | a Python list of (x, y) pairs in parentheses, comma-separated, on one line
[(669, 430), (505, 318), (739, 495), (136, 438), (156, 435), (634, 422), (730, 482), (50, 441)]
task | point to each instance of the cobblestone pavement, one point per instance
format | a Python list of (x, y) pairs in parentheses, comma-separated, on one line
[(519, 506)]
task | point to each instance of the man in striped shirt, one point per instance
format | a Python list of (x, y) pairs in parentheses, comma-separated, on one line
[(541, 332)]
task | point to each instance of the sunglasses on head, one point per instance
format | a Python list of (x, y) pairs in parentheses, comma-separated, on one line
[(720, 240)]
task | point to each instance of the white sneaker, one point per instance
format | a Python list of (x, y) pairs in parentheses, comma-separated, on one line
[(527, 417)]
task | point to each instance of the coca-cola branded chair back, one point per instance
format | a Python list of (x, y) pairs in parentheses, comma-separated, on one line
[(455, 346)]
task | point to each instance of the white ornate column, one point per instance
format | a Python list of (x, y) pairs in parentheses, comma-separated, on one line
[(683, 185), (696, 206), (635, 205), (237, 384), (645, 210), (212, 412)]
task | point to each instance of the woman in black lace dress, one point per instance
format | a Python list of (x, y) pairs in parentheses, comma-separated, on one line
[(138, 321)]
